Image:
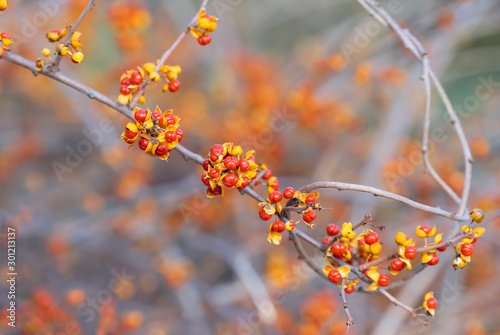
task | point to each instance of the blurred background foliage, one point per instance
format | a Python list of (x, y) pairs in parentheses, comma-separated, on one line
[(318, 89)]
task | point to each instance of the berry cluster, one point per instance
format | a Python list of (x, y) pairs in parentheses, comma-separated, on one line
[(205, 25), (227, 166), (157, 133), (132, 80), (304, 203), (73, 48), (6, 42)]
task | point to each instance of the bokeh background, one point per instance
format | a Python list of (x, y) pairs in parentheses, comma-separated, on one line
[(122, 243)]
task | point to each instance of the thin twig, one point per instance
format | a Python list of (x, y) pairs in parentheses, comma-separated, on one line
[(350, 320), (54, 67), (167, 54), (377, 192)]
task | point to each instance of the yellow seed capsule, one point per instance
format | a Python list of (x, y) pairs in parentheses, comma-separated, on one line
[(7, 42), (142, 100), (477, 215), (46, 52), (376, 248), (149, 67), (3, 5), (77, 57), (154, 76), (171, 76)]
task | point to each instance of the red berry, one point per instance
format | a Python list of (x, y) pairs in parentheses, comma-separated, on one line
[(432, 303), (288, 192), (252, 158), (332, 229), (338, 249), (158, 117), (371, 238), (129, 133), (474, 240), (214, 173), (125, 90), (206, 164), (216, 191), (170, 119), (263, 215), (334, 276), (244, 184), (136, 78), (467, 249), (230, 180), (266, 174), (174, 85), (326, 240), (349, 289), (309, 216), (231, 162), (410, 252), (5, 35), (244, 165), (140, 115), (443, 248), (180, 134), (161, 150), (279, 227), (205, 39), (205, 180), (143, 143), (426, 229), (397, 265), (170, 136), (125, 81), (275, 197), (434, 260), (291, 224), (310, 199), (383, 280), (276, 185)]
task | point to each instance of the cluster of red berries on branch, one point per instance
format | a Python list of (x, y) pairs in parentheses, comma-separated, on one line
[(131, 81), (204, 25), (157, 133), (227, 166)]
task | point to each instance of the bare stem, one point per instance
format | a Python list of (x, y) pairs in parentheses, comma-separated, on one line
[(377, 192), (54, 67)]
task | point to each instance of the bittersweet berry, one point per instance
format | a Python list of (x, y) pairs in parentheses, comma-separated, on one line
[(443, 248), (410, 252), (309, 216), (161, 150), (332, 229), (205, 180), (432, 303), (205, 39), (434, 260), (143, 143), (170, 119), (334, 276), (244, 184), (349, 289), (180, 134), (141, 115), (397, 265), (467, 249), (371, 238), (279, 227), (338, 249), (266, 174), (244, 165), (206, 164), (158, 116), (263, 215), (326, 240), (288, 192), (136, 78), (125, 90), (214, 173), (230, 180), (275, 197), (125, 81), (129, 133), (231, 162), (310, 199), (174, 85), (383, 280)]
